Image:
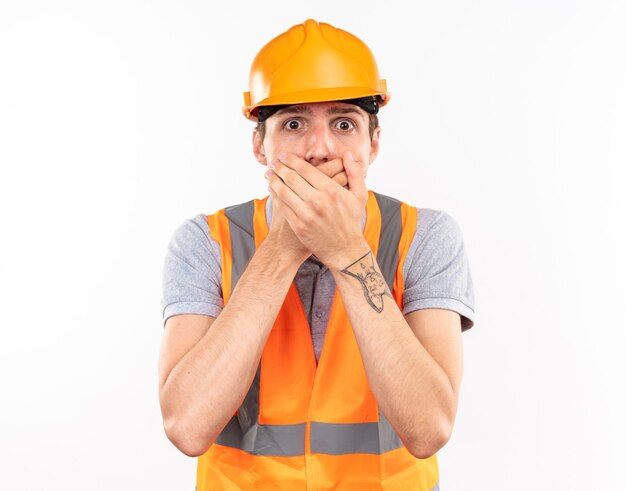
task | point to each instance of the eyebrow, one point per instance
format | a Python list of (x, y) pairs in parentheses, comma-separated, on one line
[(344, 110), (299, 109)]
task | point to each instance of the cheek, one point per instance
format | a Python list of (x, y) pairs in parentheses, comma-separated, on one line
[(275, 146), (360, 155), (359, 146)]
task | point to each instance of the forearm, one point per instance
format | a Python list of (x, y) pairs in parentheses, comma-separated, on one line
[(209, 383), (411, 389)]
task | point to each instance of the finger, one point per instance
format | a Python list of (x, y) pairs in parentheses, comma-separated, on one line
[(297, 183), (332, 167), (285, 193), (341, 179), (308, 172), (356, 174), (289, 214)]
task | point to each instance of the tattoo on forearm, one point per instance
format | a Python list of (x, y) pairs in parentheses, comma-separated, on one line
[(373, 283)]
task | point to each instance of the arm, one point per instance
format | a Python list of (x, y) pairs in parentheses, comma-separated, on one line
[(207, 364), (416, 390), (201, 390)]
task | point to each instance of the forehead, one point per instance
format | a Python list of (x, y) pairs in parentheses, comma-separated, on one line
[(323, 108)]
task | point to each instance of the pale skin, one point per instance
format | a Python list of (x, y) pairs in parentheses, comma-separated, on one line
[(318, 156)]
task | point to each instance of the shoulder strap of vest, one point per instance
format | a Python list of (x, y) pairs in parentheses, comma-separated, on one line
[(390, 232), (241, 227)]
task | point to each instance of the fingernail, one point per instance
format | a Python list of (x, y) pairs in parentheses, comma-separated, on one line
[(271, 164), (282, 156), (267, 174)]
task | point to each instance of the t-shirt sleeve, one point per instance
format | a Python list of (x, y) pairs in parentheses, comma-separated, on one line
[(436, 269), (192, 273)]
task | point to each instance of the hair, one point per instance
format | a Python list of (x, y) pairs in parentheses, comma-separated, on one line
[(373, 124)]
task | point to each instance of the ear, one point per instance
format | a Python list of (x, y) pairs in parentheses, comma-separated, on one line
[(257, 147), (375, 144)]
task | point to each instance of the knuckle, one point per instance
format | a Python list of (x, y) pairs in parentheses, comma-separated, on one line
[(316, 205), (308, 218)]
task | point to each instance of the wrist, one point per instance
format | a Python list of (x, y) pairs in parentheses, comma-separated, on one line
[(348, 256), (283, 257)]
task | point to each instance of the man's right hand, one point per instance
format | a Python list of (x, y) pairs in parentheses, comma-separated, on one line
[(280, 230)]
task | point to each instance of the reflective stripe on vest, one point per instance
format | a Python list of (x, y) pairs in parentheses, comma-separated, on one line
[(241, 236)]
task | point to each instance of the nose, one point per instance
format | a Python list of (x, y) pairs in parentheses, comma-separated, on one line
[(320, 145)]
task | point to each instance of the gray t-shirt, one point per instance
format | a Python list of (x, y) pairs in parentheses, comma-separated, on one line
[(436, 273)]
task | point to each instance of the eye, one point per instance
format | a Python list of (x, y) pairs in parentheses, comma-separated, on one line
[(345, 125), (293, 124)]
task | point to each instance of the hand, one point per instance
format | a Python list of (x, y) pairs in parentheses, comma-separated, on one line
[(282, 234), (324, 216), (281, 230)]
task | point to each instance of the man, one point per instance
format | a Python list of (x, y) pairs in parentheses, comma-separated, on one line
[(313, 337)]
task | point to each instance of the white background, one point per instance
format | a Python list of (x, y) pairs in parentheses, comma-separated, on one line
[(121, 119)]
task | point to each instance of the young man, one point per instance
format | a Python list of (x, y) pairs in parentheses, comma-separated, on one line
[(313, 337)]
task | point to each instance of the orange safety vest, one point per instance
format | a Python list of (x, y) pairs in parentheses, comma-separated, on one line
[(304, 426)]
